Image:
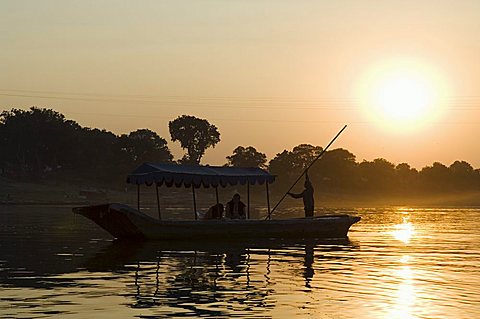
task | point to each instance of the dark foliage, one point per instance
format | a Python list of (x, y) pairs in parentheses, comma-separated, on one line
[(247, 157), (195, 135), (339, 172), (41, 143)]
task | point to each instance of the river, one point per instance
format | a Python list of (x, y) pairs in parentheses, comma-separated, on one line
[(397, 263)]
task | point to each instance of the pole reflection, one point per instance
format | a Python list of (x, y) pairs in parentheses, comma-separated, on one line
[(211, 281)]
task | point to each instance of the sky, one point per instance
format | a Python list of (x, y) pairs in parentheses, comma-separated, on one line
[(270, 74)]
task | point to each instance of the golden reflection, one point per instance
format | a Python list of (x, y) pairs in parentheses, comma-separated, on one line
[(405, 259), (405, 294), (404, 231)]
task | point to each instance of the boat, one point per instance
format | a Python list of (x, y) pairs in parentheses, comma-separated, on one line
[(125, 222)]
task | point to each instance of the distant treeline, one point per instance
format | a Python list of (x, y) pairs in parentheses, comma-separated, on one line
[(41, 143)]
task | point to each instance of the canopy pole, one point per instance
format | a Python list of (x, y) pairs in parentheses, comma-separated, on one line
[(158, 202), (248, 200), (194, 202), (138, 197), (310, 165), (216, 194), (268, 201)]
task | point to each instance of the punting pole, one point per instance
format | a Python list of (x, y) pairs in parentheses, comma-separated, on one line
[(268, 202), (248, 200), (306, 169), (138, 197), (158, 202), (194, 202)]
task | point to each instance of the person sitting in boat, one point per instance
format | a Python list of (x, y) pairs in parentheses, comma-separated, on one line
[(307, 196), (214, 212), (235, 209)]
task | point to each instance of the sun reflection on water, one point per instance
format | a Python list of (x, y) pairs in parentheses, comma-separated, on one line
[(404, 231), (404, 290), (405, 294)]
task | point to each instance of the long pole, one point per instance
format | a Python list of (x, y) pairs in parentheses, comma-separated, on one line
[(306, 169)]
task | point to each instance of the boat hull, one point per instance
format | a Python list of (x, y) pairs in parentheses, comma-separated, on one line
[(124, 222)]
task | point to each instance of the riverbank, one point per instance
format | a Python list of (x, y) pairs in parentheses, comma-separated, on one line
[(84, 193)]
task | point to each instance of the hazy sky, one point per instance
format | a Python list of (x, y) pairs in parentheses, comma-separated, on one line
[(272, 74)]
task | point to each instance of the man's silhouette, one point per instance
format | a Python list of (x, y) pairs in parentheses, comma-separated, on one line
[(307, 195)]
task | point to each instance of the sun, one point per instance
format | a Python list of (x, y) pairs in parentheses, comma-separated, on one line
[(402, 95)]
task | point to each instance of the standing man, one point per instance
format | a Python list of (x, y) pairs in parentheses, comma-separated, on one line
[(307, 195)]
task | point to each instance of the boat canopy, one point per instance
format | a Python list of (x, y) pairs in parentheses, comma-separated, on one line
[(186, 175)]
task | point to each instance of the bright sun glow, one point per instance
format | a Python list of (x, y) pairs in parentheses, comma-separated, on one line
[(402, 94), (404, 231), (403, 97)]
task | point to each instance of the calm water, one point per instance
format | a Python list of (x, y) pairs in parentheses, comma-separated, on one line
[(398, 263)]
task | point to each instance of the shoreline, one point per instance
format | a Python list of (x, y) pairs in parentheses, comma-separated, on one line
[(61, 193)]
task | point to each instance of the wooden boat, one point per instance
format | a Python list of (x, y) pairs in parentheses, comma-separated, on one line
[(122, 221), (125, 222)]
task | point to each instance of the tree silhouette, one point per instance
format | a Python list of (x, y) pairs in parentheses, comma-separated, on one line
[(303, 155), (435, 178), (378, 175), (42, 143), (337, 169), (36, 140), (144, 145), (195, 135), (462, 175), (289, 164), (406, 178), (247, 157)]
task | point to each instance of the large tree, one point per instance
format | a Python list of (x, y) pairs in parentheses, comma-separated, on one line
[(378, 175), (337, 169), (36, 140), (195, 135), (289, 164), (144, 145), (247, 157)]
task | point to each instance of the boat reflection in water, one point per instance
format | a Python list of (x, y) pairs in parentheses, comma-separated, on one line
[(411, 263), (212, 279)]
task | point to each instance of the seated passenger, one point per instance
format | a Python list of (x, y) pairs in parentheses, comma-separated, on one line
[(235, 208), (214, 212)]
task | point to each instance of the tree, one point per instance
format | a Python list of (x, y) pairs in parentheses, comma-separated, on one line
[(463, 175), (98, 155), (435, 178), (336, 169), (406, 178), (378, 175), (144, 145), (195, 135), (36, 140), (247, 157), (303, 155), (288, 165)]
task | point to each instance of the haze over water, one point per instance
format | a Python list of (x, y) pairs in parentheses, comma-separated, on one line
[(397, 263)]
